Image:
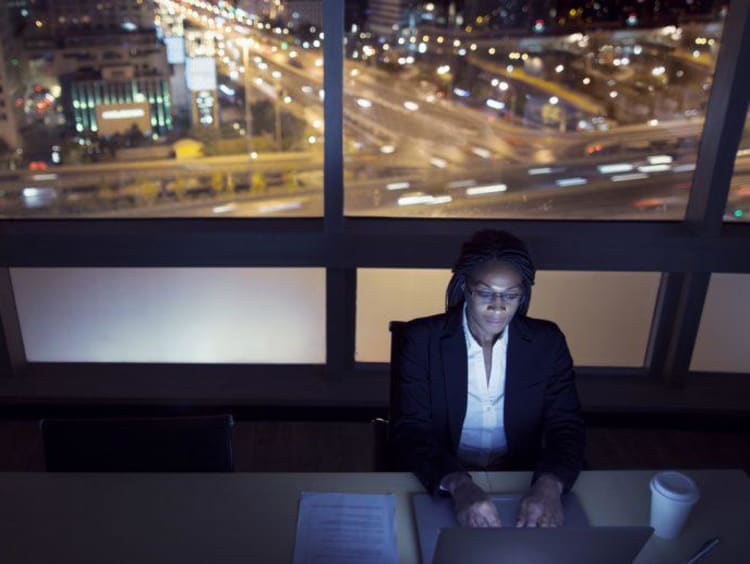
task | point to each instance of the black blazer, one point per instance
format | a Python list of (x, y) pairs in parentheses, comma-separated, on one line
[(543, 424)]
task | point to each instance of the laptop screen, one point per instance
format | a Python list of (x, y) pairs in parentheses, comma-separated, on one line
[(591, 545)]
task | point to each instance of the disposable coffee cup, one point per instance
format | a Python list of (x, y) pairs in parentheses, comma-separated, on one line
[(673, 495)]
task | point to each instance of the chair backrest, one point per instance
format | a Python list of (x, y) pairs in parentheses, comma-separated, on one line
[(383, 456), (397, 329), (161, 444)]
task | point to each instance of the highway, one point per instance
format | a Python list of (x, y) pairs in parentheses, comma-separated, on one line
[(407, 150)]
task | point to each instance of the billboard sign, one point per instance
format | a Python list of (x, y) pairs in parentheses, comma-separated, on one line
[(200, 73), (120, 118)]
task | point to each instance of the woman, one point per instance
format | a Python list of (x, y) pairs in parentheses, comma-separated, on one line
[(483, 386)]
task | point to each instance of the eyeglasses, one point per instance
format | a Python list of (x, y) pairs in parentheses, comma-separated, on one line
[(488, 296)]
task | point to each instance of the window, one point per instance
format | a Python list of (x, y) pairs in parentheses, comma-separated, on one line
[(247, 95), (503, 112), (606, 316), (174, 315), (720, 346)]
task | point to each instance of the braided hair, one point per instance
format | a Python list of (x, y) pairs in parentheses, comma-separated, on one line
[(489, 245)]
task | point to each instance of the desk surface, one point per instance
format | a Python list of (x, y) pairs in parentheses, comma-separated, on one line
[(251, 518)]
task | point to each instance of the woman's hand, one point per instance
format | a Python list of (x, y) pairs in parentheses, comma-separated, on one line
[(542, 507), (472, 505)]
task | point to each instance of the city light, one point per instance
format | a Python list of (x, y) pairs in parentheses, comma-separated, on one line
[(615, 168), (654, 168), (659, 159), (629, 177), (481, 152), (575, 181), (487, 189), (460, 184), (540, 171), (397, 186)]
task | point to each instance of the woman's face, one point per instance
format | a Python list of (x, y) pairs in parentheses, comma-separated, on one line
[(493, 294)]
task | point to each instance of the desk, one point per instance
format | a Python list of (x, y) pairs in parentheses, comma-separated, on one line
[(251, 518)]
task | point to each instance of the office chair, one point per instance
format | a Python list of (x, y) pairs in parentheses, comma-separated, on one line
[(159, 444), (383, 456)]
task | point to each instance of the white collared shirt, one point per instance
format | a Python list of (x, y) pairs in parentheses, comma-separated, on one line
[(483, 433)]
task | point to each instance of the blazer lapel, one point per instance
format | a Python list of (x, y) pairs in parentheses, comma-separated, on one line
[(520, 357), (455, 372)]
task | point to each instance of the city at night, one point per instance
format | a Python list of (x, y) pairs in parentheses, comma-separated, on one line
[(512, 109)]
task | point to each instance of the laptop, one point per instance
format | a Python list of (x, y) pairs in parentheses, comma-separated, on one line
[(563, 545), (433, 514)]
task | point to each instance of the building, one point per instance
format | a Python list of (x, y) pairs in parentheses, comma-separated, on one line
[(386, 17), (9, 64), (116, 101), (60, 17), (92, 70), (302, 12), (139, 50)]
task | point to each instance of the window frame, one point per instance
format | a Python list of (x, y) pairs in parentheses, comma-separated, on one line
[(686, 252)]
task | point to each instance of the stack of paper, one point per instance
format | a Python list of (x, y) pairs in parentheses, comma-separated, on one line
[(337, 528)]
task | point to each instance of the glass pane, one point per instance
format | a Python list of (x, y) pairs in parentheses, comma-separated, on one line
[(606, 316), (170, 110), (526, 109), (181, 315), (738, 204), (721, 345)]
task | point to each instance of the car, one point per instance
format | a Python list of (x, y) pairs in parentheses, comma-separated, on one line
[(37, 165)]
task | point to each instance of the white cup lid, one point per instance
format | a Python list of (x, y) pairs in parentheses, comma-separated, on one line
[(675, 486)]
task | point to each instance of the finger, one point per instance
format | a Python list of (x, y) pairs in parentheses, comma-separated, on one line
[(534, 515), (522, 514), (488, 511)]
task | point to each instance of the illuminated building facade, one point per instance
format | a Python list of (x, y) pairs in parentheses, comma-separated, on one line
[(129, 102)]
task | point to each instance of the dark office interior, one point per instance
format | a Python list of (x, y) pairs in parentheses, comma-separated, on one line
[(664, 412)]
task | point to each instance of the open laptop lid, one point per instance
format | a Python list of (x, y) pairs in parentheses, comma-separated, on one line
[(432, 514), (591, 545)]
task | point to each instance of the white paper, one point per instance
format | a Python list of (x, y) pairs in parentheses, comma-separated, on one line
[(338, 528)]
